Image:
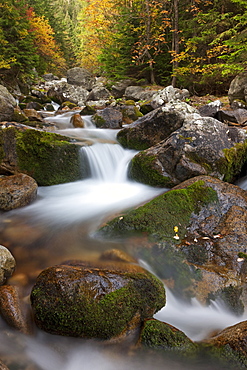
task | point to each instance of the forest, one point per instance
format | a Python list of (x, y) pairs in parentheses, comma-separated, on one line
[(195, 44)]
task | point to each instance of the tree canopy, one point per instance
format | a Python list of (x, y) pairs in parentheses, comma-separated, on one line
[(196, 43)]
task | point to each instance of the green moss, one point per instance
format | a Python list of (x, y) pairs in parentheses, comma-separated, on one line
[(159, 216), (47, 157), (143, 169), (233, 161), (128, 139), (105, 317), (159, 335), (99, 120), (194, 157)]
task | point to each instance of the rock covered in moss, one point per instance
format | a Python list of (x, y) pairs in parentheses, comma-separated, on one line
[(95, 300), (202, 146), (17, 191), (201, 258), (160, 335), (42, 155)]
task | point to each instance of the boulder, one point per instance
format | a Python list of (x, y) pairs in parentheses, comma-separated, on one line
[(63, 91), (80, 77), (118, 89), (7, 104), (17, 191), (32, 115), (108, 118), (192, 236), (231, 343), (11, 310), (234, 116), (202, 146), (7, 264), (169, 94), (44, 156), (139, 93), (95, 299), (155, 126), (130, 112), (238, 88), (98, 93), (77, 121)]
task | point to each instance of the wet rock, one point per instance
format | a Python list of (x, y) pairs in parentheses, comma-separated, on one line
[(80, 77), (17, 191), (154, 126), (10, 308), (108, 118), (45, 156), (7, 104), (95, 300), (116, 255), (231, 343), (7, 264), (201, 256), (202, 146), (32, 115), (19, 116), (77, 121), (160, 335)]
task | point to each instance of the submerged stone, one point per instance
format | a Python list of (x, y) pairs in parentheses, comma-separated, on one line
[(95, 300)]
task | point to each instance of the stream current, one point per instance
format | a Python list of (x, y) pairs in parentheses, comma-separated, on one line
[(60, 225)]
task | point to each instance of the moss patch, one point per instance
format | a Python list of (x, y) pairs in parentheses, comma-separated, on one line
[(143, 168), (71, 308), (47, 157), (159, 216)]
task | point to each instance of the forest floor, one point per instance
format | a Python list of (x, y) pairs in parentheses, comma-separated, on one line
[(199, 101)]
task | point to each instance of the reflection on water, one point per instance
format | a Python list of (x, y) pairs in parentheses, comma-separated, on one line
[(57, 226)]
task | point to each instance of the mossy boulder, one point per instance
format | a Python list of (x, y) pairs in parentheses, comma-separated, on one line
[(101, 300), (202, 146), (192, 236), (47, 157)]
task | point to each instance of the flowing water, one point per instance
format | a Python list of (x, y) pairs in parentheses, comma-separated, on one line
[(60, 225)]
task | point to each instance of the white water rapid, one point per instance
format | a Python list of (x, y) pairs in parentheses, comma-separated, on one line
[(86, 203)]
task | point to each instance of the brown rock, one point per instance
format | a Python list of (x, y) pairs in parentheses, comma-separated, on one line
[(77, 121), (32, 115), (17, 191), (10, 308), (7, 264)]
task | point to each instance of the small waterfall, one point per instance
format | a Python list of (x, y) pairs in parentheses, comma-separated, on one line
[(108, 162)]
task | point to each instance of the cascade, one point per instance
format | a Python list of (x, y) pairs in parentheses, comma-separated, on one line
[(87, 202)]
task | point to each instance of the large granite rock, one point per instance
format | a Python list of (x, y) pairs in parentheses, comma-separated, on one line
[(202, 146), (7, 104), (192, 236), (154, 126), (17, 191), (80, 77), (95, 299)]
